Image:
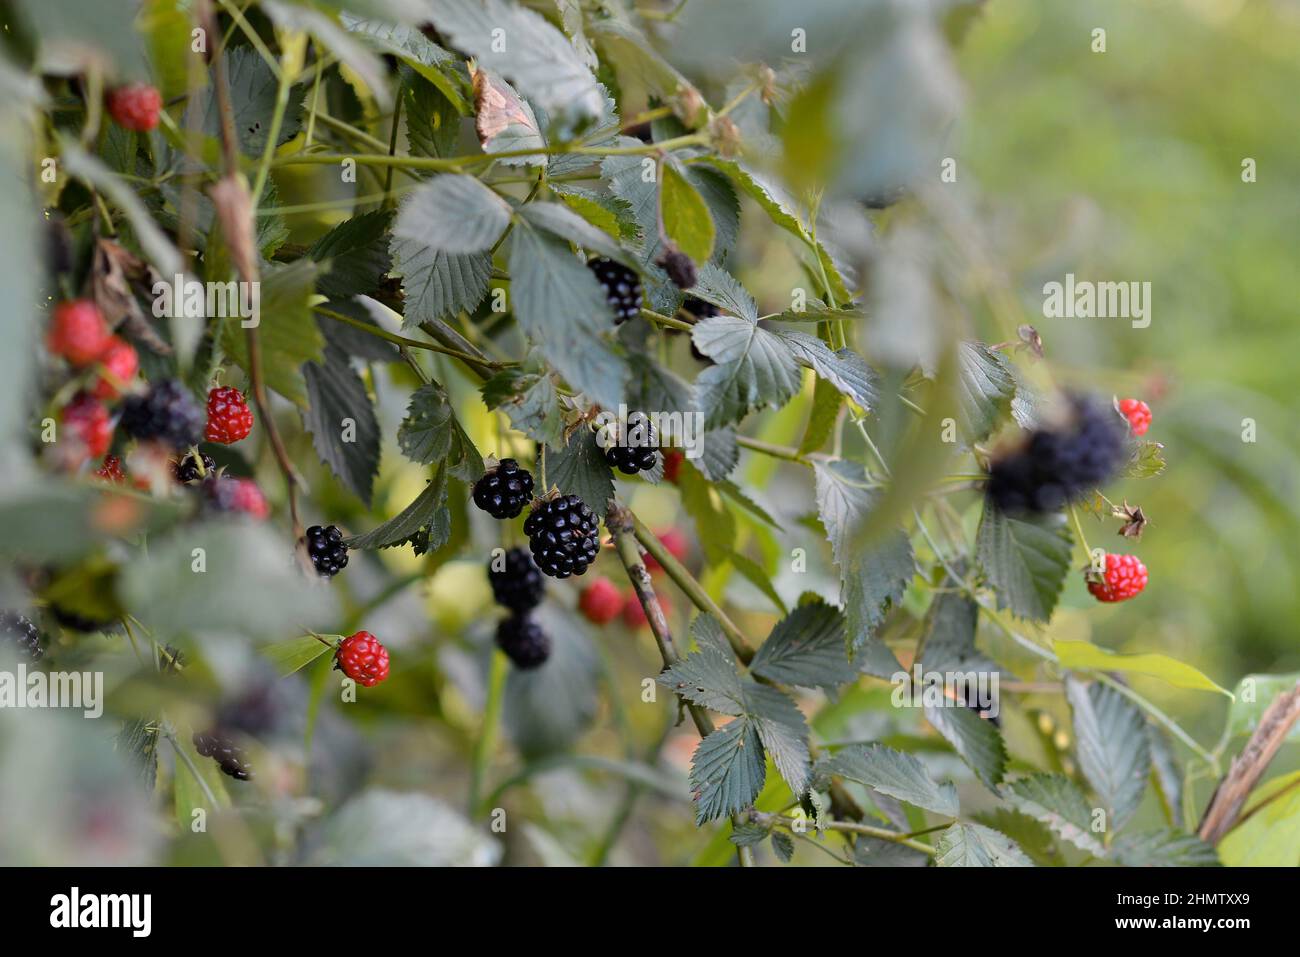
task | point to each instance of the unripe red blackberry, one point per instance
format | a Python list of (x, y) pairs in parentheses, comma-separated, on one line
[(362, 658), (21, 632), (518, 584), (135, 106), (229, 417), (622, 288), (236, 496), (523, 641), (504, 490), (601, 601), (633, 449), (1124, 578), (110, 470), (86, 418), (120, 364), (167, 413), (563, 535), (1138, 414), (326, 549), (78, 332)]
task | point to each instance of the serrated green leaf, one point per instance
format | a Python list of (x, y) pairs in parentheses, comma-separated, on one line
[(977, 740), (686, 217), (720, 454), (1055, 800), (707, 677), (844, 369), (714, 524), (606, 213), (985, 389), (1252, 696), (561, 307), (727, 771), (253, 93), (438, 284), (1026, 561), (1083, 655), (453, 214), (754, 368), (782, 729), (431, 433), (531, 402), (719, 287), (426, 521), (328, 35), (1147, 461), (974, 845), (1163, 848), (559, 220), (580, 469), (948, 641), (356, 251), (806, 648), (432, 120), (413, 48), (341, 420), (1112, 746), (748, 834), (826, 406), (895, 773), (783, 846)]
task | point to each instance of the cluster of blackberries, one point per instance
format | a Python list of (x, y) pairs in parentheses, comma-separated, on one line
[(186, 469), (503, 491), (1057, 465), (326, 549), (622, 288), (517, 585), (633, 449), (166, 413), (21, 632), (700, 310), (253, 712), (563, 535)]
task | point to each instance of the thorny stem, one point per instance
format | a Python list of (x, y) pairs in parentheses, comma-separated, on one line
[(623, 525)]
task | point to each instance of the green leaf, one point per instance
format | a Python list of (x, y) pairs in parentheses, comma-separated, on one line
[(1083, 655), (806, 648), (1164, 848), (438, 284), (1026, 561), (559, 220), (872, 580), (561, 307), (1269, 833), (685, 215), (414, 49), (720, 455), (506, 123), (381, 828), (580, 469), (431, 433), (1148, 460), (754, 369), (719, 287), (607, 213), (826, 406), (895, 773), (452, 213), (844, 369), (974, 845), (1113, 748), (727, 771), (294, 654), (1055, 800), (352, 53), (707, 677), (948, 642), (782, 729), (1252, 696), (287, 333), (356, 251), (548, 708), (985, 389), (71, 34), (977, 740), (783, 846), (531, 402), (534, 55), (714, 524), (426, 522), (756, 575), (748, 834), (237, 581), (432, 121), (341, 420), (253, 93)]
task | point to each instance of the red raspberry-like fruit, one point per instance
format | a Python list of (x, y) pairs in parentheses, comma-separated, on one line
[(78, 332), (1124, 578), (237, 495), (229, 417), (363, 659), (120, 364), (111, 470), (1138, 414), (87, 419), (601, 601), (672, 464), (634, 614), (675, 541), (135, 106)]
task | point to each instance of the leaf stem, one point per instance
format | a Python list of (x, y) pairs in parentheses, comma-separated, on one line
[(170, 734), (776, 451)]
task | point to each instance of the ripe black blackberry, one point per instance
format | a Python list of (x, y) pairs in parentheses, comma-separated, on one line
[(222, 748), (523, 641), (1058, 465), (563, 535), (186, 468), (327, 551), (167, 413), (503, 491), (518, 585), (21, 632), (622, 287), (634, 450)]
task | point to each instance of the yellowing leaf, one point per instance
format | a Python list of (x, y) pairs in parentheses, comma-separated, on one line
[(686, 216), (1085, 655)]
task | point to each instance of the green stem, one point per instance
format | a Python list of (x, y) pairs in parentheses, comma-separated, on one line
[(486, 742), (272, 137), (867, 830), (670, 321), (402, 340), (767, 448), (1083, 539), (211, 798)]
